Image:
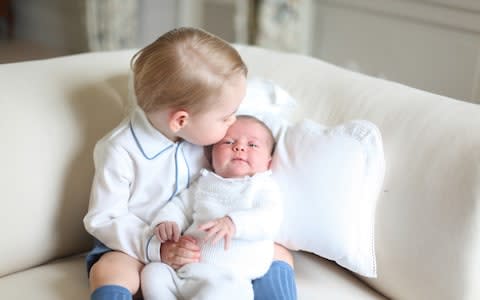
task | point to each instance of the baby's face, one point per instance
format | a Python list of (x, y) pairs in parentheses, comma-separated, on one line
[(245, 150)]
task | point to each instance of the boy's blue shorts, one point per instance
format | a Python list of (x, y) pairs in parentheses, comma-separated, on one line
[(94, 255)]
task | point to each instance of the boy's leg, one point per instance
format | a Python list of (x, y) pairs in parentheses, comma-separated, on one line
[(113, 275), (111, 292), (277, 284), (159, 282)]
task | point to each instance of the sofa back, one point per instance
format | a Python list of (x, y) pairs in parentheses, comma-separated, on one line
[(53, 113)]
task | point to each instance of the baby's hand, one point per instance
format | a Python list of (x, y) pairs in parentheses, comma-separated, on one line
[(167, 231), (218, 229)]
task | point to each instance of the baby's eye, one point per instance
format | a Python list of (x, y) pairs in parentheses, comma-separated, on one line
[(227, 142), (253, 145)]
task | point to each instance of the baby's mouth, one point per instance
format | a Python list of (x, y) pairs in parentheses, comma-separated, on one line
[(239, 159)]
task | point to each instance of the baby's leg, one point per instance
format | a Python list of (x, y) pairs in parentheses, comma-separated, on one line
[(207, 282), (115, 273), (159, 282), (220, 289)]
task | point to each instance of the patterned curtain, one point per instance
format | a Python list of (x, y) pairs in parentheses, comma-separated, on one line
[(111, 24), (279, 24)]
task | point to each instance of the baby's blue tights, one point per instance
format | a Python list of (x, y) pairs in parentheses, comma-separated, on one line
[(277, 284)]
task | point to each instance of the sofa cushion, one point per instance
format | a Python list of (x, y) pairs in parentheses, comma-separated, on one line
[(319, 278), (66, 279), (330, 178), (58, 280)]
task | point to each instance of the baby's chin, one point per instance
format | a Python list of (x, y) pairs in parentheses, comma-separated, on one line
[(240, 170), (235, 173)]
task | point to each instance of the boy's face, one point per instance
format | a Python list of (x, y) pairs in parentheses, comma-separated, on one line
[(208, 127), (245, 150)]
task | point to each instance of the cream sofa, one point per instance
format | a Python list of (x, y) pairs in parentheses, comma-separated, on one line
[(428, 214)]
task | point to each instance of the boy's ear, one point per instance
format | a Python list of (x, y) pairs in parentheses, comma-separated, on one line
[(178, 119)]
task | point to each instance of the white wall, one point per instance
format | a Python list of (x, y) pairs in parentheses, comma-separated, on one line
[(58, 24), (431, 45)]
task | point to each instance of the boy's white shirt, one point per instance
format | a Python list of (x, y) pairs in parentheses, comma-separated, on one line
[(137, 171), (252, 202)]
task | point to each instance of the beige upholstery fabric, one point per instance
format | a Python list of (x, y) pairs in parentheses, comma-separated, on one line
[(53, 113), (427, 222), (67, 279), (59, 280), (322, 279)]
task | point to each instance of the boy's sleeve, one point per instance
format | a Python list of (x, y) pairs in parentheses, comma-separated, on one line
[(178, 210), (263, 220), (109, 218)]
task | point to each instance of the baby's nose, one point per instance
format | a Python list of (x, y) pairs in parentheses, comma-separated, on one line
[(238, 147)]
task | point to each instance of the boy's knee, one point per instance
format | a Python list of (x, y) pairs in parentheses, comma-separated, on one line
[(115, 268), (282, 253)]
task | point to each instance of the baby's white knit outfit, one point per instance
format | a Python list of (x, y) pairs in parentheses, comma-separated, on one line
[(254, 205)]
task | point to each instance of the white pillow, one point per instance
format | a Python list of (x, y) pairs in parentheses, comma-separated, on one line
[(270, 103), (330, 179)]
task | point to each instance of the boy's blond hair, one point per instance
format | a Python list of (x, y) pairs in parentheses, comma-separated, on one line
[(184, 68)]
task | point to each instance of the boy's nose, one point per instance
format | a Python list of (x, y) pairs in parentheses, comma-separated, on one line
[(232, 120)]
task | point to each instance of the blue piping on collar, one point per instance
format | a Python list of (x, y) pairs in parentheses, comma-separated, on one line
[(140, 146), (188, 168), (175, 191)]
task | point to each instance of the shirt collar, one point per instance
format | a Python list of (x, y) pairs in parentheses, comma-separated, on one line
[(149, 140)]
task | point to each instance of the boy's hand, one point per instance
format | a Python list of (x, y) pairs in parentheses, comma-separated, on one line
[(167, 231), (218, 229), (178, 254)]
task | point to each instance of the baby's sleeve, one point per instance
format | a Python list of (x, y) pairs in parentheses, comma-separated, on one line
[(262, 220)]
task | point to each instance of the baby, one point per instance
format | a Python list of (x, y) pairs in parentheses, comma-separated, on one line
[(232, 212)]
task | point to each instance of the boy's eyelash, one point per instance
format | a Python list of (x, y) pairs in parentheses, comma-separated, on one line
[(227, 118)]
